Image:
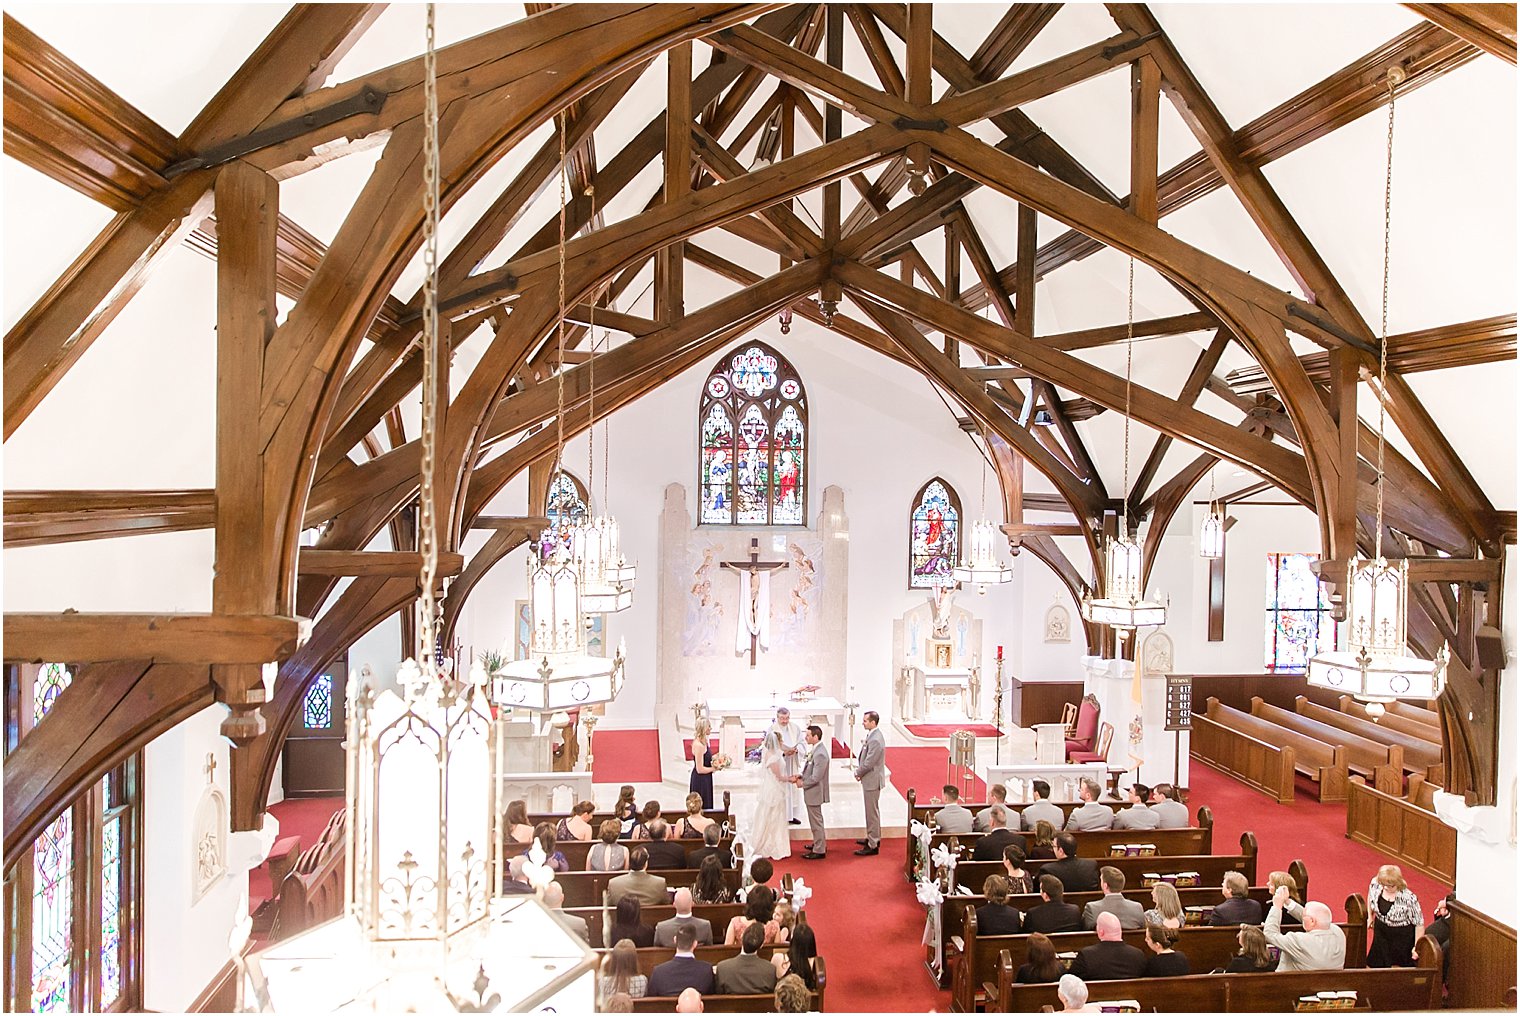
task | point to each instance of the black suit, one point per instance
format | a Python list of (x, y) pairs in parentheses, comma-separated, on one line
[(998, 919), (676, 975), (1077, 874), (663, 854), (990, 847), (1237, 911), (1108, 961), (723, 854), (1049, 918)]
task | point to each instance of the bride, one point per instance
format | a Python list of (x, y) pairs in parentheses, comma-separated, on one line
[(769, 835)]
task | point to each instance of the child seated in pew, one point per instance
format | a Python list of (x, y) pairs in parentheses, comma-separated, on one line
[(620, 972), (1167, 911)]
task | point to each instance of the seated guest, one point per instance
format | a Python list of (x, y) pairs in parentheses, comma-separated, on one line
[(1090, 816), (1137, 815), (627, 922), (1041, 964), (1112, 958), (1238, 907), (1253, 957), (996, 794), (747, 973), (760, 872), (800, 957), (710, 886), (608, 854), (953, 817), (1165, 960), (625, 811), (1320, 946), (554, 899), (712, 846), (517, 878), (578, 825), (990, 846), (618, 1001), (1053, 914), (694, 823), (1043, 847), (641, 823), (1282, 878), (682, 971), (785, 918), (1167, 911), (1013, 863), (519, 830), (620, 972), (792, 995), (759, 909), (1077, 874), (1072, 993), (638, 882), (996, 917), (1166, 803), (553, 856), (1129, 913), (664, 853), (665, 931), (690, 1000), (1042, 809)]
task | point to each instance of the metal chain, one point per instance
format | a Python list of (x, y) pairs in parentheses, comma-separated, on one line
[(427, 536), (1383, 335), (559, 373), (1129, 361), (591, 385)]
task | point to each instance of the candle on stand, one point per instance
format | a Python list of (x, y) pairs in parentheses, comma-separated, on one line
[(1000, 652)]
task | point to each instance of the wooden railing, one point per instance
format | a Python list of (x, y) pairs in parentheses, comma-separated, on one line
[(1402, 829), (1256, 763)]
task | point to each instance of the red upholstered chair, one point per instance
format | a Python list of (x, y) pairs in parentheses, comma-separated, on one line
[(1099, 753), (1087, 726)]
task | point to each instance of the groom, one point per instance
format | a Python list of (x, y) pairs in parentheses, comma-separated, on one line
[(814, 782)]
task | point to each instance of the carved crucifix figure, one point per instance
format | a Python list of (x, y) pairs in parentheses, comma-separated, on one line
[(754, 603)]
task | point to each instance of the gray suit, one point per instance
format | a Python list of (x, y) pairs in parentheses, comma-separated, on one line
[(575, 922), (665, 931), (1138, 817), (870, 767), (1042, 810), (1323, 949), (815, 793), (745, 974), (953, 818), (1131, 915), (1090, 817), (1173, 814), (983, 820)]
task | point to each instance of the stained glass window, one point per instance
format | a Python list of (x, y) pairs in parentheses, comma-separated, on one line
[(52, 678), (110, 912), (53, 915), (316, 707), (753, 427), (1299, 622), (934, 535), (566, 506)]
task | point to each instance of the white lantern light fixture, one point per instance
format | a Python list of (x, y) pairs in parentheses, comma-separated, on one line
[(982, 566), (1211, 534), (1375, 665), (1123, 605)]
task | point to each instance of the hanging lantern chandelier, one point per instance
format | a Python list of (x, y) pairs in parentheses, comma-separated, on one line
[(1375, 666), (558, 673), (1123, 605), (983, 566), (1211, 535)]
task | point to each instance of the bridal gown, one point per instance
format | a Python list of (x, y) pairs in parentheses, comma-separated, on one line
[(769, 834)]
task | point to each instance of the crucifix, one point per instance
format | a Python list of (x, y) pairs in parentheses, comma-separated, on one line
[(751, 614)]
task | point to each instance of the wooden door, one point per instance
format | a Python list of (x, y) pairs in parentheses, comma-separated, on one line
[(314, 749)]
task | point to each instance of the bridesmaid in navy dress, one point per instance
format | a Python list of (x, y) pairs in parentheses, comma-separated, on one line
[(702, 763)]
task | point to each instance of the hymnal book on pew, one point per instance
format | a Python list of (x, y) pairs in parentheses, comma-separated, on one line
[(1067, 959), (1326, 1000), (1131, 850), (1196, 915), (1180, 879), (1123, 1005)]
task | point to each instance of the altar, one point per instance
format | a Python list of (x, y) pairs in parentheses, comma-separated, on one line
[(735, 718), (939, 672), (942, 694)]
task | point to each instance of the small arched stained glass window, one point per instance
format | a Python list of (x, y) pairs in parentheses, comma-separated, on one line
[(752, 425), (52, 679), (934, 535), (316, 707)]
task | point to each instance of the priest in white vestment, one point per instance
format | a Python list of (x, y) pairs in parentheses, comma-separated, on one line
[(788, 736)]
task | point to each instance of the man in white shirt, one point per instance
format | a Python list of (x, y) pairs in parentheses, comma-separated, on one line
[(789, 737)]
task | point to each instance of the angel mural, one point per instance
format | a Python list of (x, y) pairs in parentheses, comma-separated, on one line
[(704, 613)]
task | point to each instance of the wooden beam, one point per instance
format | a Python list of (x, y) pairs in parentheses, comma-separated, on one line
[(1490, 27), (877, 51), (509, 522), (999, 96), (164, 638), (372, 562), (800, 240), (1145, 110), (812, 76), (670, 263), (39, 517), (1013, 33), (1203, 369), (1023, 530)]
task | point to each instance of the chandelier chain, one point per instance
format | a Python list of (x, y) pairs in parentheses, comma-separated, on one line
[(427, 536), (1129, 362), (1383, 333), (559, 367)]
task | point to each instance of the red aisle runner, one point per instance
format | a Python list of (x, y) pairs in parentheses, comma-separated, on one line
[(925, 768), (946, 729)]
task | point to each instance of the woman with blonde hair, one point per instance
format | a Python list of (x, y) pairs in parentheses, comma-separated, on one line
[(693, 823), (1253, 957), (1282, 878), (1168, 909), (1396, 919), (701, 782), (620, 972)]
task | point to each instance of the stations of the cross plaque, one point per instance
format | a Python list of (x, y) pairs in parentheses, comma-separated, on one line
[(753, 569)]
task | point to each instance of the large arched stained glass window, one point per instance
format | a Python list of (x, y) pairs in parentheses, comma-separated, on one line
[(753, 429), (567, 505), (934, 535)]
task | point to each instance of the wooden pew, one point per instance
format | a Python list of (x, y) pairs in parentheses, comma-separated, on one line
[(673, 817), (1419, 754), (1392, 721), (1384, 763), (586, 888), (1206, 948), (1429, 717), (315, 889), (576, 851), (1197, 839), (717, 914), (1210, 867), (652, 956), (1322, 763), (1259, 764), (731, 1003), (1398, 826), (1394, 989)]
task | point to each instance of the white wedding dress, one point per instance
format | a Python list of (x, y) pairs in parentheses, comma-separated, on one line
[(769, 835)]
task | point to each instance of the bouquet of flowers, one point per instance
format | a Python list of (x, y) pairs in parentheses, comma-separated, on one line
[(722, 761)]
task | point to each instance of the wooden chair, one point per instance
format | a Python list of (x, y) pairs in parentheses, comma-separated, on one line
[(1100, 751), (1087, 726), (1069, 719)]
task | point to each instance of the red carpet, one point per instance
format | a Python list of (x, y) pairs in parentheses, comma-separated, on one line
[(946, 729), (925, 769), (626, 756), (305, 817), (869, 927)]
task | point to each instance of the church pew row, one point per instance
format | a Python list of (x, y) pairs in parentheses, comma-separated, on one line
[(651, 958), (1420, 755), (1206, 949), (586, 888), (1210, 867), (1391, 720), (1365, 757), (576, 851), (673, 817), (1399, 827), (315, 888), (1393, 989), (716, 914), (1429, 717), (1197, 839), (1260, 764), (1324, 764)]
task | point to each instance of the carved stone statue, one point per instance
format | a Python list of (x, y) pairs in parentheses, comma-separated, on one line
[(940, 603)]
